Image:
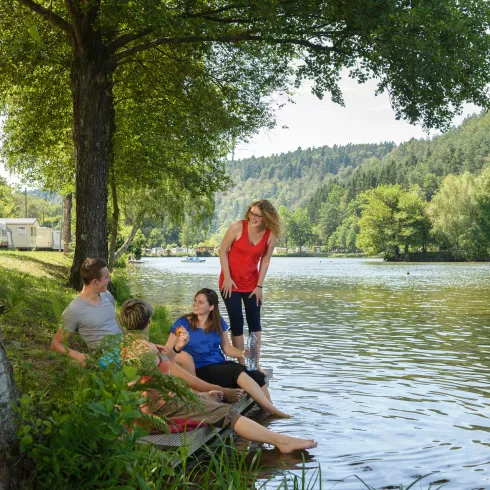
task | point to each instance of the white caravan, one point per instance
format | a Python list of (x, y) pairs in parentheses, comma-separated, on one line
[(44, 239), (56, 240), (5, 236), (24, 231)]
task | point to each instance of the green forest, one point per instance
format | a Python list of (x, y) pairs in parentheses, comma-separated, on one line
[(424, 199)]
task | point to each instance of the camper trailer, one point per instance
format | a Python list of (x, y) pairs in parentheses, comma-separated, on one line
[(56, 240), (24, 231), (44, 239), (5, 236)]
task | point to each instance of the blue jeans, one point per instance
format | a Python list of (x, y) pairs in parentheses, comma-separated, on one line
[(234, 308)]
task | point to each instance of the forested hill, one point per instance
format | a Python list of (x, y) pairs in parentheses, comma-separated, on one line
[(423, 162), (290, 178)]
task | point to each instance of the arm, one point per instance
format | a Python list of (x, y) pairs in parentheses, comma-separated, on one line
[(115, 313), (263, 268), (170, 344), (228, 349), (233, 233), (58, 345), (174, 342)]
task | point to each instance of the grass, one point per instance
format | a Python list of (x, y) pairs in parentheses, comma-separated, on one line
[(37, 281), (160, 325)]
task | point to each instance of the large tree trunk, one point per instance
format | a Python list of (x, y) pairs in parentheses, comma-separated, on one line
[(9, 471), (93, 129), (67, 203)]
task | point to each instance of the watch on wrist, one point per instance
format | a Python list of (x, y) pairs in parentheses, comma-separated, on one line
[(176, 351)]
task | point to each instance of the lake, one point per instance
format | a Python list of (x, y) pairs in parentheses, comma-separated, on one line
[(386, 365)]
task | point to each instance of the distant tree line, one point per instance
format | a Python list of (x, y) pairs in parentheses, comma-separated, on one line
[(422, 196)]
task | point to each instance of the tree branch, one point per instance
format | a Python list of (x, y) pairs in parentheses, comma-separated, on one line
[(47, 15), (244, 36), (74, 20), (129, 241), (176, 40), (121, 41)]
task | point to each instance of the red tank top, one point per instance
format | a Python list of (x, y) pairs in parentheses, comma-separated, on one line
[(243, 260)]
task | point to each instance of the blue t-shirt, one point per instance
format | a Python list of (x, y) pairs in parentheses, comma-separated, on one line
[(205, 348)]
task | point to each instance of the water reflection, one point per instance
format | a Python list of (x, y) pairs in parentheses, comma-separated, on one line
[(388, 370)]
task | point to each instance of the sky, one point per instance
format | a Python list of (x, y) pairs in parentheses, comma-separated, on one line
[(311, 122)]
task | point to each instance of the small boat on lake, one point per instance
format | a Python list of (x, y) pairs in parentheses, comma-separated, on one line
[(135, 261), (193, 259)]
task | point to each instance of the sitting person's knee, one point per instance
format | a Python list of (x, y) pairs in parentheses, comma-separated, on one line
[(258, 377)]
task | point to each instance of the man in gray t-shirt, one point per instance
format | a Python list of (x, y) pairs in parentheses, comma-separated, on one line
[(92, 322), (92, 313)]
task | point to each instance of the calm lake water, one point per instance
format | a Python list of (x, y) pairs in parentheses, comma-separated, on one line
[(387, 366)]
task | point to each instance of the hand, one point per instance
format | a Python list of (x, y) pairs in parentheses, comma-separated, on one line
[(227, 287), (244, 354), (161, 348), (258, 295), (81, 358), (182, 339)]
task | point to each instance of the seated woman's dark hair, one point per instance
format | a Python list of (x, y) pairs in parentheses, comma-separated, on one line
[(213, 323)]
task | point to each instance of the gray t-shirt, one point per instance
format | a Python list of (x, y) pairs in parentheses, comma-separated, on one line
[(92, 322)]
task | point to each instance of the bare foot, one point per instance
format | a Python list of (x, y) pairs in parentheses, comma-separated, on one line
[(215, 395), (290, 444), (233, 395), (279, 413)]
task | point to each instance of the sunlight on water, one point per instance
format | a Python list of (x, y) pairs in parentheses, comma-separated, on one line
[(386, 365)]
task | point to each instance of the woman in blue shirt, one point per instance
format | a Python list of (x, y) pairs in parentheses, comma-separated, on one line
[(204, 357)]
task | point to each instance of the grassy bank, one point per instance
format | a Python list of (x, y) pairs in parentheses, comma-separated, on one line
[(69, 428), (37, 283)]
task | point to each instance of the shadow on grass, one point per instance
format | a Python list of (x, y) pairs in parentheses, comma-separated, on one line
[(58, 271)]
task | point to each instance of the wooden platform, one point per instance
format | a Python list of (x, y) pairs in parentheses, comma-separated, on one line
[(196, 438)]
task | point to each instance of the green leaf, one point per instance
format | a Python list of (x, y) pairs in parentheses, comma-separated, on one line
[(26, 441), (35, 33), (130, 371), (24, 401), (133, 414)]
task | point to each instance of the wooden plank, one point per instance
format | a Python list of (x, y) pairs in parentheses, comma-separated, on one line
[(196, 438)]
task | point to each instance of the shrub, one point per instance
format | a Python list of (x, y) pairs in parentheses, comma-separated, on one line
[(160, 325), (121, 262), (119, 288), (89, 439)]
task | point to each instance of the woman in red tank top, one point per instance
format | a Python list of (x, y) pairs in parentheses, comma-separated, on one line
[(245, 254)]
